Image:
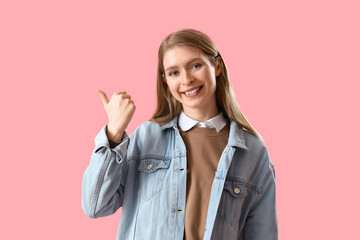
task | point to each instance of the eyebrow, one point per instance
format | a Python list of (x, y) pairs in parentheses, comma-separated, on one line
[(191, 60)]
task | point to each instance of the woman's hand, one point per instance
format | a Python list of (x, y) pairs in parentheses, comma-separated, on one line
[(120, 110)]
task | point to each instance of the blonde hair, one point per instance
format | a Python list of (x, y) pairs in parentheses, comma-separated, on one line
[(168, 107)]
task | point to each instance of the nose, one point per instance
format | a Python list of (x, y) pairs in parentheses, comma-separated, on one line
[(187, 78)]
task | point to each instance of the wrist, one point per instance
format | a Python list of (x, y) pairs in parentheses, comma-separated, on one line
[(114, 136)]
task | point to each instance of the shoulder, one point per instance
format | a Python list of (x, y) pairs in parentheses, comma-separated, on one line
[(148, 125), (147, 129), (257, 149), (252, 142), (263, 166), (148, 139), (151, 133), (253, 163), (245, 141)]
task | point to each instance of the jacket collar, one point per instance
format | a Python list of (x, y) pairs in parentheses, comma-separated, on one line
[(236, 135), (172, 123)]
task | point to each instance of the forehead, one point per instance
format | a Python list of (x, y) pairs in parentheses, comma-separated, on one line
[(181, 55)]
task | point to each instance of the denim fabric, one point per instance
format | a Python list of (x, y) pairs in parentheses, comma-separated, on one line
[(146, 175)]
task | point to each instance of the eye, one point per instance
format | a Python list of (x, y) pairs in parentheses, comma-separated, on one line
[(195, 66), (173, 73)]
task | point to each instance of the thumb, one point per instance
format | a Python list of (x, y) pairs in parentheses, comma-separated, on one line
[(103, 96)]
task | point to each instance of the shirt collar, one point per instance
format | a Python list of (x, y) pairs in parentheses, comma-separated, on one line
[(217, 122), (236, 134)]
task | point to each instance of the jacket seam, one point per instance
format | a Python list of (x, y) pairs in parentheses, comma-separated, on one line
[(246, 183), (264, 181), (148, 156), (100, 180), (260, 189)]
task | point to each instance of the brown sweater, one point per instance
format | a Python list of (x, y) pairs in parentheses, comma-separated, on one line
[(204, 147)]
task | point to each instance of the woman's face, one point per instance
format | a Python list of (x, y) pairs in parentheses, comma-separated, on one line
[(191, 78)]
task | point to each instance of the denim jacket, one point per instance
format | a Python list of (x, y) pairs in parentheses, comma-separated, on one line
[(146, 175)]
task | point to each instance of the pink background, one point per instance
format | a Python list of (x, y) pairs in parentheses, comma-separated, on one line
[(294, 66)]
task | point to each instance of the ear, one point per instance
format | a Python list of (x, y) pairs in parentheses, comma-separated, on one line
[(218, 66), (163, 77)]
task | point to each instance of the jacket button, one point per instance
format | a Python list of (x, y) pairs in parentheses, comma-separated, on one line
[(149, 166), (237, 190)]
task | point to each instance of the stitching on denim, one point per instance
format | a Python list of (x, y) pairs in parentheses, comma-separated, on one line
[(243, 181), (100, 178), (265, 180), (231, 224), (261, 189), (136, 218), (149, 156)]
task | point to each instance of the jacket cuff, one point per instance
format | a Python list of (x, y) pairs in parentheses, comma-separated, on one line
[(102, 143)]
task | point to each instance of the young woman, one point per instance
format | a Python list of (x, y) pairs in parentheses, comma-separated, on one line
[(197, 169)]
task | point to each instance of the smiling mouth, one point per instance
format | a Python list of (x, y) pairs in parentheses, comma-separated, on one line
[(193, 91)]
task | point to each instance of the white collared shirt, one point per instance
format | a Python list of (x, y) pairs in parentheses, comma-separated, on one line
[(217, 122)]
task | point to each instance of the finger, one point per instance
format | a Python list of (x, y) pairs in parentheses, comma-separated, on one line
[(103, 96), (115, 94), (126, 96)]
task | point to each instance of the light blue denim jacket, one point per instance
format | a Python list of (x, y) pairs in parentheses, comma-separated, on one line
[(146, 175)]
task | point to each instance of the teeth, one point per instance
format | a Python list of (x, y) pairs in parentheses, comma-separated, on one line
[(192, 92)]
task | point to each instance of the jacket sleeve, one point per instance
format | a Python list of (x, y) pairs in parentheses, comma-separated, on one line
[(104, 179), (261, 222)]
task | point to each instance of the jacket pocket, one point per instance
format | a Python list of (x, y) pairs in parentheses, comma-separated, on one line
[(151, 177), (232, 200)]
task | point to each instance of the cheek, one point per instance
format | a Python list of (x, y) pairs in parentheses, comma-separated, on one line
[(211, 80), (173, 89)]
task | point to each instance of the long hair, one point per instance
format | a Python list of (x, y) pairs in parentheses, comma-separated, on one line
[(168, 107)]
